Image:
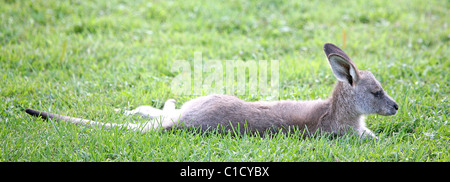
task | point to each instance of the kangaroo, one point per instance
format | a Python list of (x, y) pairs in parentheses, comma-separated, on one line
[(357, 93)]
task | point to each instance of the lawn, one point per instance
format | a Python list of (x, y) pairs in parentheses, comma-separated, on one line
[(86, 58)]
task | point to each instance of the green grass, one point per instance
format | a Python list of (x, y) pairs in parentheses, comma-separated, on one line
[(85, 58)]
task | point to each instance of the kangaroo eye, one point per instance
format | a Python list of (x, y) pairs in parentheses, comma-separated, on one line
[(377, 93)]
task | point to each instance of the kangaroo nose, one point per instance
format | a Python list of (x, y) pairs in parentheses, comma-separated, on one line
[(395, 106)]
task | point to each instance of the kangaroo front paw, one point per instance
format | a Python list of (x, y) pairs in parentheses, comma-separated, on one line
[(367, 134)]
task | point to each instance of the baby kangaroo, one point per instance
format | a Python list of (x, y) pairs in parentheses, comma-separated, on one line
[(357, 93)]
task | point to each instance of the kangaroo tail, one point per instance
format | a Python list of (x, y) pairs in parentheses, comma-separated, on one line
[(59, 118)]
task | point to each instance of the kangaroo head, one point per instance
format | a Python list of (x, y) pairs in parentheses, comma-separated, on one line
[(363, 90)]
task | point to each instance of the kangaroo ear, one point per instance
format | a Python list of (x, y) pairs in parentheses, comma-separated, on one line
[(343, 67)]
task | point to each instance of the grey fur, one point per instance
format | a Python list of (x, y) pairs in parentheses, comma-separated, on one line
[(356, 94)]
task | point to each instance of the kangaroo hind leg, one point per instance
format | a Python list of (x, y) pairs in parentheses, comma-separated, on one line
[(151, 112)]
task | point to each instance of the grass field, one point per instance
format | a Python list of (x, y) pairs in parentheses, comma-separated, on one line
[(86, 58)]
